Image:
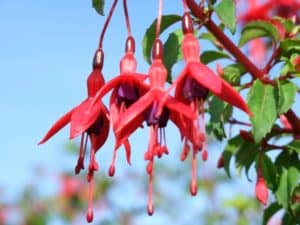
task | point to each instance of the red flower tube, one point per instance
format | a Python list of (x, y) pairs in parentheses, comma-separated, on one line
[(96, 130), (156, 108), (192, 87)]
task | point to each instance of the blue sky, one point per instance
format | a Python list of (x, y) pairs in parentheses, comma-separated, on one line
[(46, 51)]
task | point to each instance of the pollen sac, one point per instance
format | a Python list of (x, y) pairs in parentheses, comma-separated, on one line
[(127, 94), (192, 90), (152, 119)]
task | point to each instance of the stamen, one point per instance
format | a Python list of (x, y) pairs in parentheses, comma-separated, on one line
[(150, 207), (80, 162), (185, 151), (112, 165), (90, 213), (193, 186), (93, 166), (204, 155)]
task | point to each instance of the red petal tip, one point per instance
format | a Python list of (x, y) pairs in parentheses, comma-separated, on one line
[(220, 162), (193, 189), (204, 155), (111, 171), (150, 209), (90, 215)]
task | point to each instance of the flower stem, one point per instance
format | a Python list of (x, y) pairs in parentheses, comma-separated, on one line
[(127, 18), (160, 6), (106, 23)]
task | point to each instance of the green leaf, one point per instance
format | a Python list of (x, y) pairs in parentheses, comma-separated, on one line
[(262, 103), (219, 112), (98, 5), (172, 51), (294, 146), (269, 172), (233, 73), (287, 159), (226, 13), (270, 211), (288, 182), (290, 46), (210, 56), (166, 21), (233, 145), (245, 156), (258, 29), (287, 219), (286, 95)]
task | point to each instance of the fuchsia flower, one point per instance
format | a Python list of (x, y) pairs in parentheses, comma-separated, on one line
[(96, 129), (127, 87), (156, 109), (192, 87), (264, 11)]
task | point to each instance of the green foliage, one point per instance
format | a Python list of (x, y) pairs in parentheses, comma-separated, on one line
[(149, 37), (262, 103), (270, 211), (228, 18), (233, 73), (210, 56), (219, 113), (269, 171), (286, 95), (98, 5), (290, 46), (258, 29), (244, 151), (172, 51), (289, 180)]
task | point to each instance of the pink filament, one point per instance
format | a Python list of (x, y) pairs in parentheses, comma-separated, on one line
[(90, 214), (193, 187)]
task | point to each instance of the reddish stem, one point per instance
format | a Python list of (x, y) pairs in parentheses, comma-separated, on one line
[(106, 23), (127, 17), (160, 6)]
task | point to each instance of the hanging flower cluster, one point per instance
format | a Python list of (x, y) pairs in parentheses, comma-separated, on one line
[(138, 98)]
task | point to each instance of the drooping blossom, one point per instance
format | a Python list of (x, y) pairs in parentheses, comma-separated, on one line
[(156, 109), (96, 130), (127, 88), (270, 8), (192, 87)]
